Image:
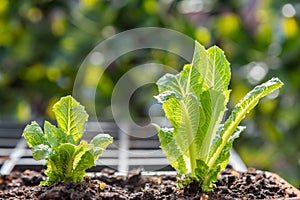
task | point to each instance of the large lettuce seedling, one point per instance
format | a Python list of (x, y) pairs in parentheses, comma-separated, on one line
[(198, 145)]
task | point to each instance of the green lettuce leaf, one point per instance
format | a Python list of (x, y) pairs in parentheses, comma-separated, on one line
[(102, 140), (208, 175), (214, 106), (67, 160), (66, 153), (56, 136), (100, 143), (80, 150), (41, 151), (244, 106), (86, 161), (34, 135), (170, 148), (71, 117), (54, 170), (217, 73)]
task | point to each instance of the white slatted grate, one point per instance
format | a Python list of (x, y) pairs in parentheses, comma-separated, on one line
[(126, 152)]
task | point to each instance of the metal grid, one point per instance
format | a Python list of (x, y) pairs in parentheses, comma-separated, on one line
[(127, 152)]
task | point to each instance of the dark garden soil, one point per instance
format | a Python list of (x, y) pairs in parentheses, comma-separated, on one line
[(253, 184)]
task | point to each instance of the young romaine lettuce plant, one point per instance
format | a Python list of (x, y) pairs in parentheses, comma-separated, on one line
[(66, 160), (198, 144)]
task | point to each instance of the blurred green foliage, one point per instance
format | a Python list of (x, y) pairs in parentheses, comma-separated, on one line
[(43, 43)]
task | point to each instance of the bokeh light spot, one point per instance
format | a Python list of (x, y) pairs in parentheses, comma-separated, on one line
[(290, 27), (53, 73), (257, 72), (34, 14), (96, 58), (3, 6), (23, 111), (190, 6), (203, 35), (288, 10)]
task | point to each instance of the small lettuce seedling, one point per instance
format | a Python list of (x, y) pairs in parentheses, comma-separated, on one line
[(198, 146), (66, 161)]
